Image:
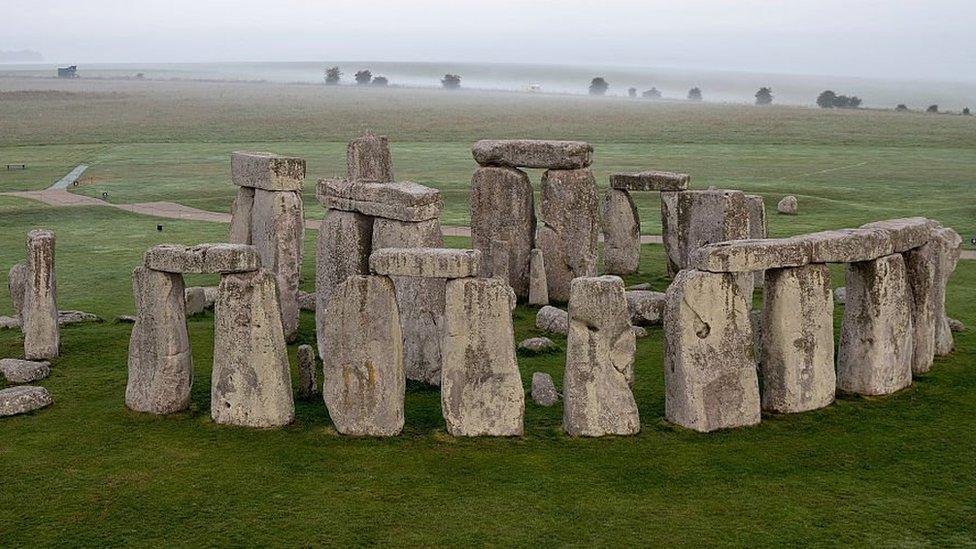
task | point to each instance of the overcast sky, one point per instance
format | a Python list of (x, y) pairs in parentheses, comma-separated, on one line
[(875, 38)]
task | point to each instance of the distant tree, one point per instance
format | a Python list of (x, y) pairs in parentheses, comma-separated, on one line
[(764, 96), (632, 92), (901, 107), (855, 102), (842, 102), (933, 109), (599, 86), (140, 76), (965, 112), (826, 99), (380, 81), (694, 94), (451, 81), (332, 76), (364, 77), (652, 93)]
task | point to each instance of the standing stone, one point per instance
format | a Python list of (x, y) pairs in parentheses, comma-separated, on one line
[(570, 230), (481, 389), (787, 205), (160, 362), (538, 287), (17, 284), (251, 384), (341, 250), (362, 361), (368, 159), (949, 243), (503, 208), (42, 339), (876, 337), (544, 390), (669, 231), (797, 360), (196, 300), (920, 268), (23, 399), (758, 228), (420, 300), (710, 376), (501, 261), (599, 361), (621, 233), (707, 217), (307, 387), (278, 233), (240, 219)]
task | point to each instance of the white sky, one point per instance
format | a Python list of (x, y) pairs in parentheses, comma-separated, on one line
[(894, 38)]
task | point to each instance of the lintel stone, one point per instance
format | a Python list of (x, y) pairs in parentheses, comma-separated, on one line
[(425, 262), (650, 180), (268, 171), (202, 258), (532, 153), (402, 200)]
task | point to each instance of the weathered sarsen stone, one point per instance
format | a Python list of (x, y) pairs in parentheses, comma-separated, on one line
[(251, 384), (538, 286), (402, 200), (501, 257), (23, 399), (651, 180), (708, 217), (425, 262), (530, 153), (342, 250), (202, 258), (570, 230), (268, 171), (646, 307), (42, 338), (307, 387), (17, 284), (368, 159), (599, 361), (481, 390), (758, 228), (24, 371), (240, 218), (947, 257), (543, 389), (278, 234), (669, 231), (621, 233), (363, 358), (552, 319), (920, 270), (503, 207)]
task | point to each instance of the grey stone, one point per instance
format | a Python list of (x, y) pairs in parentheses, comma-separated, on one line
[(196, 300), (920, 268), (744, 256), (278, 234), (538, 286), (362, 361), (24, 371), (126, 319), (503, 207), (905, 233), (240, 218), (710, 376), (669, 231), (306, 301), (66, 318), (251, 382), (537, 345), (39, 321), (949, 250), (307, 387), (787, 205), (570, 230), (268, 171), (846, 245), (798, 340), (956, 325), (552, 319), (210, 295), (544, 390), (160, 364), (368, 159), (8, 322), (640, 286), (23, 399), (202, 258), (501, 259), (876, 343), (402, 201), (599, 361), (646, 307), (481, 389), (650, 180), (840, 295), (621, 233), (342, 250), (425, 262), (530, 153), (756, 321), (17, 284), (639, 332), (708, 217), (758, 227)]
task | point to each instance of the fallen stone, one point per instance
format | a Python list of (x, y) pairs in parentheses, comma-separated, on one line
[(278, 234), (251, 381), (307, 387), (787, 205), (876, 344), (306, 301), (240, 216), (621, 233), (846, 245), (23, 399), (425, 262), (537, 345), (530, 153), (920, 268), (840, 295), (646, 307), (639, 332), (66, 318), (710, 376), (402, 201), (267, 171), (743, 256), (17, 284), (503, 208), (906, 233), (552, 319), (538, 286), (650, 181), (42, 338), (196, 300), (481, 389), (362, 361), (368, 159), (956, 326), (571, 228), (202, 258), (342, 250), (24, 371), (599, 361), (544, 390), (797, 360)]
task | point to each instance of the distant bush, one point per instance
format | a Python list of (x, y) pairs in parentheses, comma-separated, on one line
[(902, 107), (599, 86), (364, 77), (933, 109), (764, 96), (695, 94), (830, 100), (380, 81), (965, 112), (632, 92), (652, 93), (332, 76), (451, 81)]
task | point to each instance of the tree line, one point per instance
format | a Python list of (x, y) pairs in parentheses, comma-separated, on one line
[(364, 77)]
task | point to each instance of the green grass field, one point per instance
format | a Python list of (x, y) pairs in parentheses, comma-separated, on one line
[(893, 471)]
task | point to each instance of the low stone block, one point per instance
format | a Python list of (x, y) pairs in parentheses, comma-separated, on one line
[(202, 258), (650, 180), (552, 319), (530, 153), (538, 286), (66, 318), (646, 307), (268, 171), (906, 233), (621, 233), (847, 245), (744, 256), (403, 201), (23, 399), (39, 322), (368, 159), (788, 205), (425, 262), (537, 345), (544, 390), (24, 371)]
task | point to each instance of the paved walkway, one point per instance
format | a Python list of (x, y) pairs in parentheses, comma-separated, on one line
[(56, 195)]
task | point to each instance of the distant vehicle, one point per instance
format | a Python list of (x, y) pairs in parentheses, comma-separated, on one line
[(532, 88), (68, 72)]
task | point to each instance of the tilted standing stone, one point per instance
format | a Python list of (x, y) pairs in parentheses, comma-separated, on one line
[(949, 243), (876, 339), (42, 338), (17, 284), (503, 208), (368, 159), (251, 383), (278, 233), (920, 269), (758, 228), (621, 233), (570, 230), (160, 362), (710, 377), (599, 361), (538, 287), (798, 340), (342, 250), (307, 387), (362, 361), (481, 389)]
